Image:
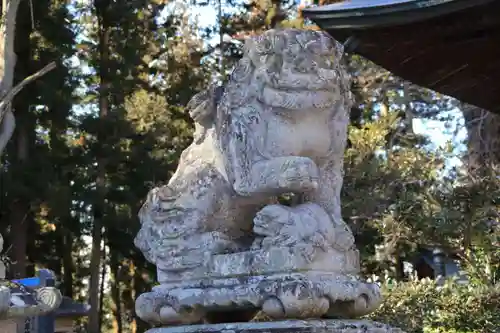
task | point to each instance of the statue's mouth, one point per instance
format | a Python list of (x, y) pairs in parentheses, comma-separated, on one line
[(261, 231)]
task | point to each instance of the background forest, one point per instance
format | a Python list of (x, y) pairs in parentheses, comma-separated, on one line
[(95, 134)]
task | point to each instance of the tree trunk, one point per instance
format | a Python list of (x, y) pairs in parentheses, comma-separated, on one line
[(101, 8), (102, 292), (139, 288), (116, 293), (19, 217), (399, 270), (57, 266), (20, 212), (483, 155), (7, 67), (95, 269), (7, 121), (68, 264)]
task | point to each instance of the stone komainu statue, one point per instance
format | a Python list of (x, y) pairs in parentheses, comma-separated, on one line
[(279, 125)]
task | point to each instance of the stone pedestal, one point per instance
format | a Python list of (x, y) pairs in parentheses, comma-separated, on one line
[(288, 326), (296, 295)]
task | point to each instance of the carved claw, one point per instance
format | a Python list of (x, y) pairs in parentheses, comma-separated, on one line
[(146, 306), (168, 316), (280, 175), (156, 309), (294, 305), (299, 174), (274, 308), (361, 304)]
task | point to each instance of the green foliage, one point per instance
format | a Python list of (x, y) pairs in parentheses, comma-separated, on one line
[(388, 190), (423, 306)]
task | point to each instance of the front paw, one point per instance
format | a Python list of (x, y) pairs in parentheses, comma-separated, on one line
[(298, 174), (269, 220), (279, 175), (216, 242)]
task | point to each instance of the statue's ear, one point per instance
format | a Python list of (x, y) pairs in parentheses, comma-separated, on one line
[(202, 107), (199, 106), (200, 112)]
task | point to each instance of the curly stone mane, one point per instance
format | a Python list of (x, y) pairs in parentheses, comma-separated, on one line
[(280, 71)]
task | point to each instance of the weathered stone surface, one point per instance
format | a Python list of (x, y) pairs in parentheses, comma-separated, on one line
[(288, 326), (297, 295), (286, 239), (216, 233), (280, 126), (281, 261)]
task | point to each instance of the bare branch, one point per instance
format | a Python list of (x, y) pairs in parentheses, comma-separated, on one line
[(7, 67), (14, 91), (7, 125)]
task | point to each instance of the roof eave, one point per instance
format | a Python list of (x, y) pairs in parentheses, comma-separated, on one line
[(398, 13), (435, 44)]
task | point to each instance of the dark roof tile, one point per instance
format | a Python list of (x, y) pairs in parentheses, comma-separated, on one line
[(450, 46)]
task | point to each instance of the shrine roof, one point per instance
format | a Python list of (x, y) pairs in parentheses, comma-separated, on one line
[(449, 46)]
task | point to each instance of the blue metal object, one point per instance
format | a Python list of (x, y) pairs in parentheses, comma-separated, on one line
[(32, 282), (45, 278), (68, 308)]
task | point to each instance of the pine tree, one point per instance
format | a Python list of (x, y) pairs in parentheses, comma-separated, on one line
[(145, 74), (40, 108)]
